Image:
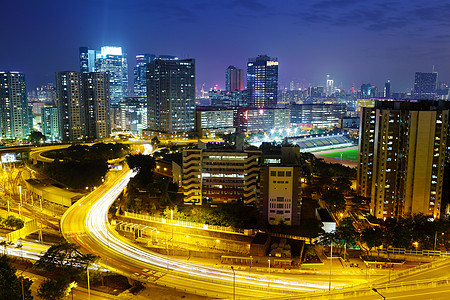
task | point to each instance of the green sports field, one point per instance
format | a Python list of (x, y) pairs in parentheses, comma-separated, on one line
[(346, 154)]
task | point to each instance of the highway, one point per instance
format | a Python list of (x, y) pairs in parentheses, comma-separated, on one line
[(86, 224)]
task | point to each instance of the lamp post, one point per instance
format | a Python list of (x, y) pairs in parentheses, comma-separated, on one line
[(20, 200), (331, 263), (88, 283), (23, 293), (416, 244), (375, 290), (234, 283), (268, 280), (171, 219)]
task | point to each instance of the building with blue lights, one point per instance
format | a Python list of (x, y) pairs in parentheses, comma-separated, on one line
[(262, 81)]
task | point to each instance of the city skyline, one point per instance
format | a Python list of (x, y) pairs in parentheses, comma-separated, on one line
[(352, 41)]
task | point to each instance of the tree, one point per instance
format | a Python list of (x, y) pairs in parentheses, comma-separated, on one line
[(334, 200), (64, 260), (343, 185), (372, 237), (36, 137), (144, 165), (51, 289), (66, 264), (11, 284), (155, 140)]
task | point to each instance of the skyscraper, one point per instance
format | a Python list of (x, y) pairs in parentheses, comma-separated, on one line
[(71, 107), (83, 105), (96, 97), (87, 60), (387, 89), (262, 81), (234, 79), (368, 91), (425, 85), (329, 86), (401, 157), (171, 95), (14, 113), (140, 81), (113, 61)]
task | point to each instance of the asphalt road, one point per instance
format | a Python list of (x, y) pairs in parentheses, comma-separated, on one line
[(85, 224)]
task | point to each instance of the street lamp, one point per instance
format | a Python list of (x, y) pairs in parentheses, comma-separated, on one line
[(171, 219), (331, 263), (234, 283), (20, 200), (268, 279), (435, 240), (23, 294), (375, 290), (416, 244)]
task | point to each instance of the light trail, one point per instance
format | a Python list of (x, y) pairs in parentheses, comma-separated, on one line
[(86, 224)]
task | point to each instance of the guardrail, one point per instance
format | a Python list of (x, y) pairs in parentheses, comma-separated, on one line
[(417, 252), (367, 290), (249, 232)]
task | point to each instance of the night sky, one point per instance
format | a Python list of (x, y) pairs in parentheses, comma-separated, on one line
[(353, 40)]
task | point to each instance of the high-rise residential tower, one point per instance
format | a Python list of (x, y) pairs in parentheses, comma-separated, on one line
[(50, 123), (113, 61), (71, 106), (171, 95), (234, 79), (402, 148), (262, 81), (14, 113), (425, 85), (96, 97), (83, 105)]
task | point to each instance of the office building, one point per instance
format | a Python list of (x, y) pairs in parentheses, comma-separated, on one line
[(315, 92), (212, 121), (234, 79), (219, 176), (387, 89), (316, 115), (14, 112), (140, 74), (50, 123), (425, 85), (368, 91), (252, 120), (83, 105), (87, 60), (401, 161), (113, 61), (171, 95), (228, 98), (280, 193), (133, 115), (262, 81), (292, 96), (329, 86)]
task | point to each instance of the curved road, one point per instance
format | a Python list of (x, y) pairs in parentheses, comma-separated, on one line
[(86, 224)]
